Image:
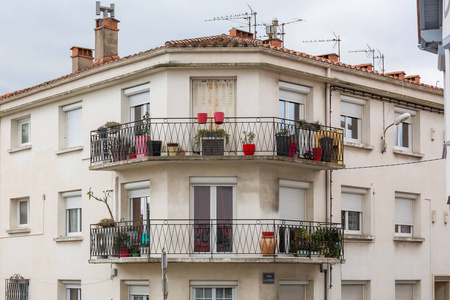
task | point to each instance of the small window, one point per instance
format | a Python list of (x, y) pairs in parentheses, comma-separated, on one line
[(404, 214), (73, 136), (73, 213), (353, 290), (24, 136), (214, 290), (404, 290), (23, 208), (137, 289), (17, 288), (352, 118), (352, 209), (404, 131), (292, 290), (73, 293)]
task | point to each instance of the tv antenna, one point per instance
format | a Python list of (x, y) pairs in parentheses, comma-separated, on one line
[(371, 53), (337, 41), (381, 58), (244, 16)]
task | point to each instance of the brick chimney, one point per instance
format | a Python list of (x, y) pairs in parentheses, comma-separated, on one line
[(331, 56), (413, 78), (396, 74), (272, 32), (106, 35), (81, 58), (241, 33), (367, 66)]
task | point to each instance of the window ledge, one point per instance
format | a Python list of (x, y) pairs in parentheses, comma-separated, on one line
[(18, 149), (75, 238), (67, 150), (409, 239), (408, 153), (359, 237), (19, 230), (358, 145)]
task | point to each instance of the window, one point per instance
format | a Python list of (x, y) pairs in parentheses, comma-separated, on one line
[(404, 214), (404, 131), (351, 118), (214, 95), (352, 290), (73, 212), (72, 289), (292, 207), (404, 290), (73, 125), (292, 290), (352, 208), (139, 98), (212, 290), (24, 132), (137, 290), (139, 195), (213, 210), (23, 212), (292, 101), (17, 288)]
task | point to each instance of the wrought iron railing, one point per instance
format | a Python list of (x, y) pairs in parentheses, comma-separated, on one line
[(185, 136), (216, 237)]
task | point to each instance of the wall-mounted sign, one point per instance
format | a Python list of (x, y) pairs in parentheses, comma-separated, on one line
[(268, 278)]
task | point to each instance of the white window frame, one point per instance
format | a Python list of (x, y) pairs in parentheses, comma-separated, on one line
[(213, 183), (27, 203), (293, 93), (75, 203), (139, 189), (20, 123), (352, 108), (410, 123), (138, 96), (70, 285), (353, 208), (137, 288), (405, 197), (73, 135), (303, 283), (214, 285)]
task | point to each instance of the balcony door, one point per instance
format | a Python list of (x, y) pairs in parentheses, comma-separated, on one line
[(213, 213), (139, 99)]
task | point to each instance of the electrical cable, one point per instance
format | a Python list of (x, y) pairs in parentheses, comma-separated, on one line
[(392, 165)]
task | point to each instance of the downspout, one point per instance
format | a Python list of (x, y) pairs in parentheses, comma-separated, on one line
[(328, 197)]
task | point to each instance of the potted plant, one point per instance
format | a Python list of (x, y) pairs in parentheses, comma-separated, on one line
[(300, 242), (212, 142), (316, 126), (181, 151), (122, 244), (135, 250), (247, 143), (113, 126), (102, 132), (142, 136), (283, 140), (132, 153), (267, 243), (317, 153), (202, 118), (172, 149), (218, 117), (308, 154)]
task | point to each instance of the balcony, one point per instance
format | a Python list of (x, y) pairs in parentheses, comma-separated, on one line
[(174, 139), (220, 240)]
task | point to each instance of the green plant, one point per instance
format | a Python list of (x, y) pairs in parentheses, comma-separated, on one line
[(107, 223), (134, 248), (113, 126), (317, 126), (132, 149), (283, 132), (300, 241), (248, 137), (220, 133), (104, 200), (122, 240), (143, 127)]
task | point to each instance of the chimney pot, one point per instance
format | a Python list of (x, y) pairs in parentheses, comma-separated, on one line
[(396, 74), (331, 56), (241, 33), (81, 58)]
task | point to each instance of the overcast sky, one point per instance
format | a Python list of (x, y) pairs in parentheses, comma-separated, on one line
[(35, 36)]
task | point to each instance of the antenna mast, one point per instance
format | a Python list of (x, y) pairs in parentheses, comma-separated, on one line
[(337, 40), (371, 53), (246, 16)]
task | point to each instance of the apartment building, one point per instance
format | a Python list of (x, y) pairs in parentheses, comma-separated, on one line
[(320, 180)]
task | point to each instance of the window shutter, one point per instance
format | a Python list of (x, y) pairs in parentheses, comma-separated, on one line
[(292, 203), (73, 128), (351, 110), (352, 202), (214, 95), (141, 290), (289, 292), (404, 291), (139, 99), (73, 202), (352, 292), (404, 211)]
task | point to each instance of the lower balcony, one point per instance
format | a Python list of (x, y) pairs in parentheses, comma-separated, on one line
[(175, 139), (240, 241)]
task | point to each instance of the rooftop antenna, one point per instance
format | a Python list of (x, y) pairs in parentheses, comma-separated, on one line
[(337, 41), (272, 28), (245, 16), (370, 53), (104, 9), (381, 60), (253, 13)]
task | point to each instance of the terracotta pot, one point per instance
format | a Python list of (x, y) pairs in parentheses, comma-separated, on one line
[(172, 148), (249, 149), (218, 117), (267, 243), (202, 118), (317, 152)]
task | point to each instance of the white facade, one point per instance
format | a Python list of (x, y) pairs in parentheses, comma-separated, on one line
[(391, 248)]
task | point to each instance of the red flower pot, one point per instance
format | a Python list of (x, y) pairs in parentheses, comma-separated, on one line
[(292, 149), (249, 149), (124, 252), (317, 152), (218, 117), (202, 118)]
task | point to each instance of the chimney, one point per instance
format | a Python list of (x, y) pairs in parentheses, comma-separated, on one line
[(81, 58), (396, 74), (106, 35), (241, 33), (272, 32), (368, 66), (331, 56), (413, 78)]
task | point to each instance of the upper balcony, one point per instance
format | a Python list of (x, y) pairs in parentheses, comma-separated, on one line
[(217, 240), (151, 139)]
